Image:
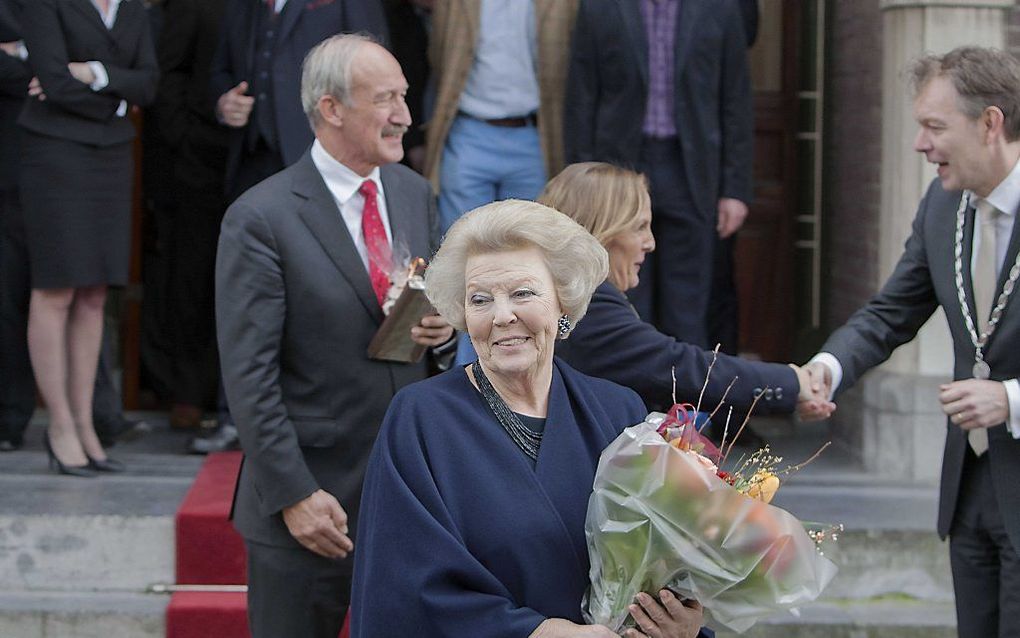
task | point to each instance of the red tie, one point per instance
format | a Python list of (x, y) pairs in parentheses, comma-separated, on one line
[(379, 255)]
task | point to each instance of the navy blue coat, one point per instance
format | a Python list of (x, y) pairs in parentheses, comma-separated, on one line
[(613, 343), (459, 535)]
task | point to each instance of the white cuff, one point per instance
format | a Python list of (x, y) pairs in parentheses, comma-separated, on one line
[(102, 78), (1013, 400), (832, 363), (22, 51)]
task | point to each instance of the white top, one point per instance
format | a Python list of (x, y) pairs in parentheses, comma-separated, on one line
[(1005, 197), (343, 184)]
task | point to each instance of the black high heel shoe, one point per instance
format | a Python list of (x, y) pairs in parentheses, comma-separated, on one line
[(84, 471), (107, 465)]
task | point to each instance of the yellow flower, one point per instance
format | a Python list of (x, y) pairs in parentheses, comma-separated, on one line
[(763, 486)]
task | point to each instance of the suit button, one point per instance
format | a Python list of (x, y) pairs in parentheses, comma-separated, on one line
[(779, 394), (768, 394), (756, 392)]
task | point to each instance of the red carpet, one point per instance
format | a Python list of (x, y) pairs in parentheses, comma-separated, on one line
[(209, 552)]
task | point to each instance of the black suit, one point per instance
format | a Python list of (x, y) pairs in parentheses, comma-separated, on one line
[(185, 112), (300, 26), (976, 493), (17, 392), (710, 157), (295, 311)]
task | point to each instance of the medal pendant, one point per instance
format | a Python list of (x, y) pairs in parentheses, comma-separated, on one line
[(981, 370)]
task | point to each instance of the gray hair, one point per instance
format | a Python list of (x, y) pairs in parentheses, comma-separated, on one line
[(327, 70), (982, 77), (577, 261)]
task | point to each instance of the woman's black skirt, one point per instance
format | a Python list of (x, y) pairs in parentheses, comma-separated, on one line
[(77, 205)]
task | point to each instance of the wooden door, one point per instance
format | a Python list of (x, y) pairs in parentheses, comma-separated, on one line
[(765, 248)]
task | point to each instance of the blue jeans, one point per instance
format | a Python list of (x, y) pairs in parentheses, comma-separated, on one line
[(482, 164)]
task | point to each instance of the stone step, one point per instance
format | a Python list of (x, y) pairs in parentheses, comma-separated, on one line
[(82, 615), (109, 533), (892, 618)]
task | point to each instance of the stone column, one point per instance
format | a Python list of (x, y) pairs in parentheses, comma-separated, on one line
[(895, 422)]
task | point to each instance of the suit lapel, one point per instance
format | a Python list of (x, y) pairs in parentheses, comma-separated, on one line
[(686, 21), (634, 24), (91, 15), (407, 238), (289, 17), (967, 252), (322, 217), (1007, 265), (472, 10)]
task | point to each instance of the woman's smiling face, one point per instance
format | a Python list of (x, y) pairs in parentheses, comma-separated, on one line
[(511, 309)]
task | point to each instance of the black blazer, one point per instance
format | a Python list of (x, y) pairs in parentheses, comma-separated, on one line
[(612, 342), (303, 24), (61, 31), (923, 280), (295, 312), (607, 89)]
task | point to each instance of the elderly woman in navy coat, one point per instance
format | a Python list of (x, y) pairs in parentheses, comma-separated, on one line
[(472, 517), (612, 342)]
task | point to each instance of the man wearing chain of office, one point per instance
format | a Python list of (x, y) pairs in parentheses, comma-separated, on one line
[(962, 255)]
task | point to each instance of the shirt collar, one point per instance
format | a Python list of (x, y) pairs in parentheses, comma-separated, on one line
[(1006, 196), (341, 181)]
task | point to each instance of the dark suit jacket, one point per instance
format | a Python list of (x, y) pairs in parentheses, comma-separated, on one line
[(612, 342), (923, 280), (61, 31), (187, 42), (303, 24), (295, 312), (607, 89)]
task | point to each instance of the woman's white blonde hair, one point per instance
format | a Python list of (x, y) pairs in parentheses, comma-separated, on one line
[(577, 261)]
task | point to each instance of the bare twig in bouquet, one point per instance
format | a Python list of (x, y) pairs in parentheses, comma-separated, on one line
[(721, 402), (794, 468), (726, 428), (672, 373), (742, 425), (708, 375)]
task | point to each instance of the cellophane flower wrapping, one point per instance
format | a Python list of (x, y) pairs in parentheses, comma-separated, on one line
[(661, 517)]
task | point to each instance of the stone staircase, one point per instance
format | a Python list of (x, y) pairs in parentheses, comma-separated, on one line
[(78, 556)]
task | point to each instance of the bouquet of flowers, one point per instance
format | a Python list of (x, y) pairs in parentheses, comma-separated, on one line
[(663, 514)]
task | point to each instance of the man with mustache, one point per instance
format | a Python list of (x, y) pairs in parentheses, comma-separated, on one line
[(301, 274)]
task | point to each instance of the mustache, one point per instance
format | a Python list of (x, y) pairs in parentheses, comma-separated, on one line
[(394, 129)]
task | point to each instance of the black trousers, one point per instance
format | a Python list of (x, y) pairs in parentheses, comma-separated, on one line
[(17, 388), (198, 180), (986, 569), (675, 281), (294, 593)]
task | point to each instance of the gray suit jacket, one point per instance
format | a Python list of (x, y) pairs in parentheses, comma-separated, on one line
[(295, 312), (923, 280), (607, 90)]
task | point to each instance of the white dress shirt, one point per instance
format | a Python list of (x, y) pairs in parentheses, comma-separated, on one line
[(343, 184), (1005, 197)]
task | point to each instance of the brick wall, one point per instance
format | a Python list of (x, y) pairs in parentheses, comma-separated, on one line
[(851, 175)]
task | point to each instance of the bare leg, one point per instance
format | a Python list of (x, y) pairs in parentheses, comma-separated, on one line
[(47, 347), (84, 338)]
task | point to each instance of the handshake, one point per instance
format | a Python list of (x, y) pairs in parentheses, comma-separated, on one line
[(813, 402)]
